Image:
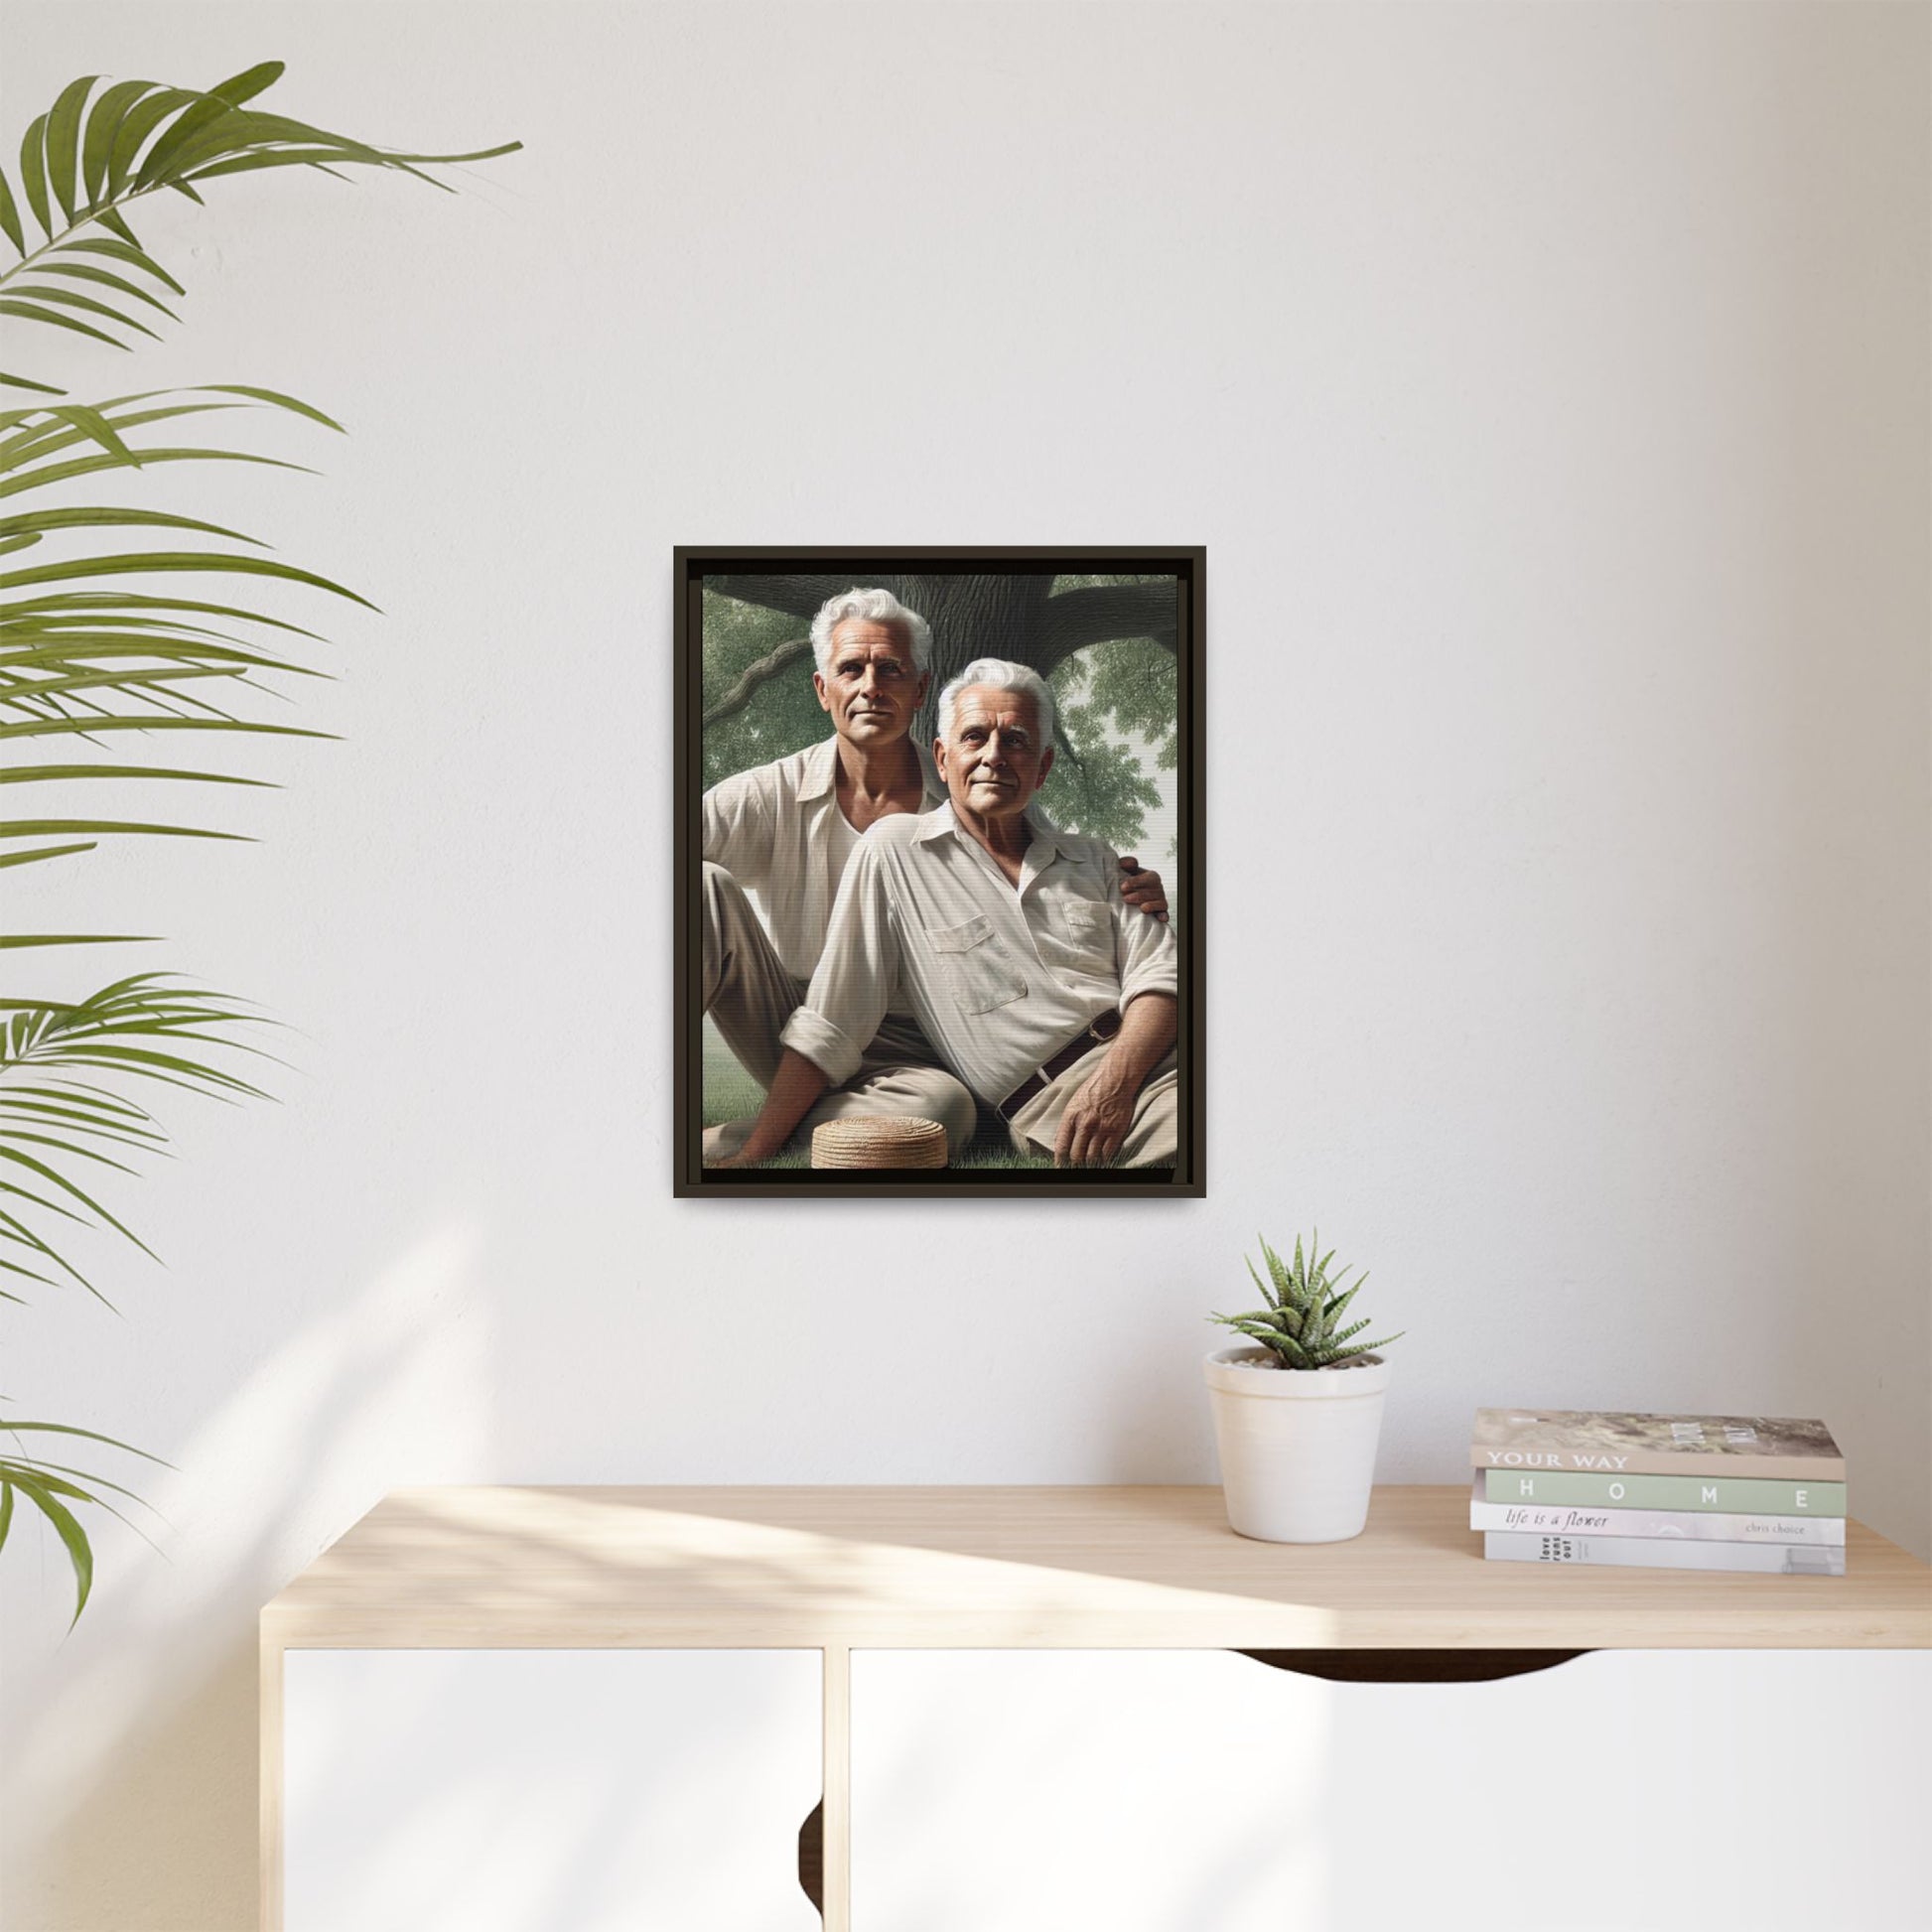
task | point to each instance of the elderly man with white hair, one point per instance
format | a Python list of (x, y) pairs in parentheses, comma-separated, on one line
[(1050, 999), (781, 834)]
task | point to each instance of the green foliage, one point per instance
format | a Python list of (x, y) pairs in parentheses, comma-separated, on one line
[(1302, 1323), (50, 1487), (1107, 696), (782, 715), (90, 156), (1099, 784), (107, 645), (83, 657), (142, 1029), (1124, 689)]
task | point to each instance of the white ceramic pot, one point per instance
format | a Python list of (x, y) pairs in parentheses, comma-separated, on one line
[(1298, 1446)]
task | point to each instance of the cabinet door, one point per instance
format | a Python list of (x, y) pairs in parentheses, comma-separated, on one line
[(533, 1790), (1201, 1791)]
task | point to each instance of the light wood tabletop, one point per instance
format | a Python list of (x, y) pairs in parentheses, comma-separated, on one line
[(1047, 1566)]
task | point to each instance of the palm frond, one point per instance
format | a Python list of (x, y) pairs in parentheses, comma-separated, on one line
[(83, 655), (93, 154), (148, 1027), (53, 1487)]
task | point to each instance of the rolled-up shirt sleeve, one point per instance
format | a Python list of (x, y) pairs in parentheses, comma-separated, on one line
[(1145, 953), (857, 972)]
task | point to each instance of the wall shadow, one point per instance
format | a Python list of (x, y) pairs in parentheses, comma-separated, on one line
[(164, 1838)]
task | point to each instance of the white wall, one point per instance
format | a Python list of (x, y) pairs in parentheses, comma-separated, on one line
[(1549, 386)]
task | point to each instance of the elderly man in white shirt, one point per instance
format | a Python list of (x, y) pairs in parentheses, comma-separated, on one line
[(783, 833), (1050, 999)]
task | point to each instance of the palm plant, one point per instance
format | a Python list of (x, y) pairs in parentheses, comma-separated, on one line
[(1302, 1323), (102, 647)]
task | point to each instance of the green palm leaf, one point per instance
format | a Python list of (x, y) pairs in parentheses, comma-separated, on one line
[(146, 1027), (40, 852), (103, 121), (66, 773), (81, 656), (121, 252), (33, 173), (24, 941), (52, 1487), (40, 522), (64, 142), (39, 1489), (152, 563), (10, 218), (81, 166), (31, 312), (74, 299), (105, 278)]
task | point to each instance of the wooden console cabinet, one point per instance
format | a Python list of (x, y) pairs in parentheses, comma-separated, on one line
[(570, 1709)]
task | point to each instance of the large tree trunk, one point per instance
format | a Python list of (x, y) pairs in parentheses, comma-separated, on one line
[(974, 616)]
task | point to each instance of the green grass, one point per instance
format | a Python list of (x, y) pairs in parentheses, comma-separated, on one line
[(729, 1093)]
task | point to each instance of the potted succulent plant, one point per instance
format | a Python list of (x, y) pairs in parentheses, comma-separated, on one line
[(1296, 1416)]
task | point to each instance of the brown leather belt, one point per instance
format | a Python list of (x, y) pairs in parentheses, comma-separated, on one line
[(1102, 1029)]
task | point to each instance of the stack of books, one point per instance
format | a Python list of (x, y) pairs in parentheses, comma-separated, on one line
[(1663, 1493)]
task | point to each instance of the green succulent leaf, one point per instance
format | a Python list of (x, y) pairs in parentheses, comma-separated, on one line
[(1302, 1324), (1268, 1294), (1284, 1282)]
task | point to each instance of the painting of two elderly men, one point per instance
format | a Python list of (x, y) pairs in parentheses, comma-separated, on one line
[(934, 901)]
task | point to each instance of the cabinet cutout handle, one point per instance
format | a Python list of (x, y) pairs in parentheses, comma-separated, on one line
[(1412, 1666), (811, 1856)]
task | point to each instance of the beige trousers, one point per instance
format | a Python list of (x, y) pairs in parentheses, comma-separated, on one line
[(749, 996), (1154, 1138)]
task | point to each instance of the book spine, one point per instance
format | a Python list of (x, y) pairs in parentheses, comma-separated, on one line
[(1689, 1524), (1733, 1496), (1641, 1552), (1659, 1462)]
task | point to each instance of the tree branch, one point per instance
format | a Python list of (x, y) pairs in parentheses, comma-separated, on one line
[(1103, 613), (762, 672), (797, 596)]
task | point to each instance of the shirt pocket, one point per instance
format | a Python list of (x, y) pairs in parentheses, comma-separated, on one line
[(978, 970), (1089, 932)]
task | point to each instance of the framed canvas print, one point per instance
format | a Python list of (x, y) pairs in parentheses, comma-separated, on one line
[(939, 872)]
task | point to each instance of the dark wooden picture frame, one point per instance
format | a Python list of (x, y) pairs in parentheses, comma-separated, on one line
[(796, 581)]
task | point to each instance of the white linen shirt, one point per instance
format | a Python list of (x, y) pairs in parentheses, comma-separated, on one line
[(774, 829), (1001, 976)]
